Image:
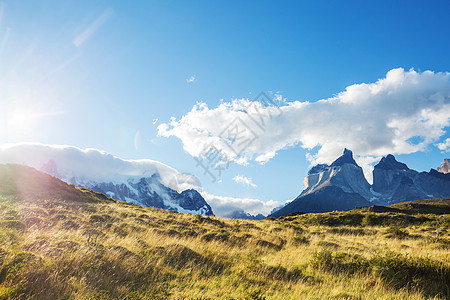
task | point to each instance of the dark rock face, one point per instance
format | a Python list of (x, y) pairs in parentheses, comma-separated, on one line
[(389, 176), (407, 191), (390, 163), (327, 199), (342, 186), (397, 183), (433, 183), (193, 201)]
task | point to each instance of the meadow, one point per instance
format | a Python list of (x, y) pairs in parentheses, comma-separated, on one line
[(61, 242)]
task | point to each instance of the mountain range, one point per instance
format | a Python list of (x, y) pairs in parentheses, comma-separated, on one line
[(338, 186), (342, 186), (143, 182), (147, 191)]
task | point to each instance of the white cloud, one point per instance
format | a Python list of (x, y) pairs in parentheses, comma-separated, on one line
[(224, 206), (402, 113), (244, 180), (191, 79), (445, 145), (155, 121)]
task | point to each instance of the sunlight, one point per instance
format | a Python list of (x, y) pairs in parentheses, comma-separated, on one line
[(20, 120)]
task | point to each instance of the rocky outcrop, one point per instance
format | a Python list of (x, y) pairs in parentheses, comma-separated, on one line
[(343, 173), (393, 182), (445, 167), (339, 186)]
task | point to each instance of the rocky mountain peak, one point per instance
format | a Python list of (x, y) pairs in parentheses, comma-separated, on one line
[(345, 158), (390, 163), (445, 166)]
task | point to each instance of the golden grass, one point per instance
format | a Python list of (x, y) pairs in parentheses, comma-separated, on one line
[(144, 253), (90, 247)]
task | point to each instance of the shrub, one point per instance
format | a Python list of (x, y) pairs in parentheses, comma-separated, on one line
[(300, 240), (395, 232), (218, 235), (267, 244), (395, 269)]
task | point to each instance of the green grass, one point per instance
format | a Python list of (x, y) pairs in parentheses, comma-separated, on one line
[(59, 242)]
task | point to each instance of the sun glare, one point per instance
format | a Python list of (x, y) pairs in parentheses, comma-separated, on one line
[(20, 120)]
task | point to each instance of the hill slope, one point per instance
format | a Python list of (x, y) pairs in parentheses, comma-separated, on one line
[(59, 241)]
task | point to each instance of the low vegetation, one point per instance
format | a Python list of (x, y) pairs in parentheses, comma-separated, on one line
[(60, 242)]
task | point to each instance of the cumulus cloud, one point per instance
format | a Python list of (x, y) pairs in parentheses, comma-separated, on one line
[(244, 180), (402, 113), (225, 206), (191, 79), (445, 145)]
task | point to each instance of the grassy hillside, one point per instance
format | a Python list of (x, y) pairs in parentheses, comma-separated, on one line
[(60, 242)]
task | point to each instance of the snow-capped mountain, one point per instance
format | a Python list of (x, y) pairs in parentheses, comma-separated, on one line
[(144, 182), (342, 186)]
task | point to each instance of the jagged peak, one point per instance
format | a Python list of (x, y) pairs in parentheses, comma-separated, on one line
[(345, 158), (390, 163)]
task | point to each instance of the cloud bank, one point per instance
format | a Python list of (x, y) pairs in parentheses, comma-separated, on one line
[(90, 164), (402, 113), (97, 165)]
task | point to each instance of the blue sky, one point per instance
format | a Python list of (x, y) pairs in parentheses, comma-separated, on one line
[(99, 74)]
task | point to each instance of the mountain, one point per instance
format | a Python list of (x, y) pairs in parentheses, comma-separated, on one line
[(144, 182), (242, 215), (395, 182), (342, 186), (146, 191), (339, 186), (445, 166)]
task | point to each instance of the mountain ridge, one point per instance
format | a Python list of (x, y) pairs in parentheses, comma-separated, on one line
[(342, 186)]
